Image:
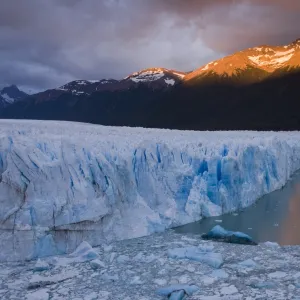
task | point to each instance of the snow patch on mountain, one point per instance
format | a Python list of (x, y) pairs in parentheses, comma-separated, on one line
[(170, 81), (147, 76), (7, 98), (156, 74), (82, 82), (206, 67), (278, 58), (180, 75), (63, 183), (11, 94)]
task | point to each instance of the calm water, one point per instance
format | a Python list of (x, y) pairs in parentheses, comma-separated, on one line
[(275, 217)]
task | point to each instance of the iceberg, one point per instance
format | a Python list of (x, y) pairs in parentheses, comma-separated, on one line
[(218, 233), (62, 183)]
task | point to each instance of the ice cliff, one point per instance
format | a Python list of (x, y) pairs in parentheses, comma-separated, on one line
[(62, 183)]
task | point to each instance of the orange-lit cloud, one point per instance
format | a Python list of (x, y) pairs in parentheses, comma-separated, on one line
[(46, 43)]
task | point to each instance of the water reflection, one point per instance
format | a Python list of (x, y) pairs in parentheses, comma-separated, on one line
[(275, 217), (289, 231)]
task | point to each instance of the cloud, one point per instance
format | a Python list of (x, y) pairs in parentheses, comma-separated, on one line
[(47, 43)]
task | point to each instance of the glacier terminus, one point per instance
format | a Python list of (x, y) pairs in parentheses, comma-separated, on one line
[(63, 183)]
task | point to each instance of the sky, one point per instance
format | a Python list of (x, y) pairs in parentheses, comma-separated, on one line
[(45, 44)]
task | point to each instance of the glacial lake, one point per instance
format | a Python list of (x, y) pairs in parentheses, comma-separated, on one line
[(275, 217)]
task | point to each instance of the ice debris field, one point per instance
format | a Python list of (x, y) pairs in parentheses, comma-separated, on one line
[(63, 183), (154, 268)]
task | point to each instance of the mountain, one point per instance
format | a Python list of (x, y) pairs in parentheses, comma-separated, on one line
[(11, 94), (249, 66), (156, 77), (153, 78), (257, 89)]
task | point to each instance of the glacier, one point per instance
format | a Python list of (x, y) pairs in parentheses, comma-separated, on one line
[(62, 183)]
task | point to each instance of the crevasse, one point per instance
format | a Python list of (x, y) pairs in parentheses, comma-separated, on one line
[(62, 182)]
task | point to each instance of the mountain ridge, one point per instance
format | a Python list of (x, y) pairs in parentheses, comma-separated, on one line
[(11, 94), (256, 88), (265, 58)]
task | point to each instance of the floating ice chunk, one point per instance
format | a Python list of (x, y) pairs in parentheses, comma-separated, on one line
[(177, 295), (207, 280), (144, 258), (112, 256), (178, 253), (108, 248), (212, 259), (219, 274), (184, 279), (38, 281), (102, 295), (97, 264), (84, 252), (296, 275), (220, 234), (229, 290), (187, 239), (123, 259), (167, 291), (91, 296), (277, 274), (136, 280), (41, 266), (263, 285), (272, 244), (81, 249), (108, 277), (38, 295), (150, 258), (190, 269), (160, 281), (249, 263), (139, 256), (206, 247)]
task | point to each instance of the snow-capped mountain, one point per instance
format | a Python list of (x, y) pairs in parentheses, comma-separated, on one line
[(153, 78), (160, 76), (267, 59), (77, 88), (87, 87), (11, 94)]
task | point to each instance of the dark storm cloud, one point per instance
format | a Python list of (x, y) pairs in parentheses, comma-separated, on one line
[(47, 43)]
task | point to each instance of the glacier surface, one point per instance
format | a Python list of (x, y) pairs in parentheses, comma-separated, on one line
[(62, 183)]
